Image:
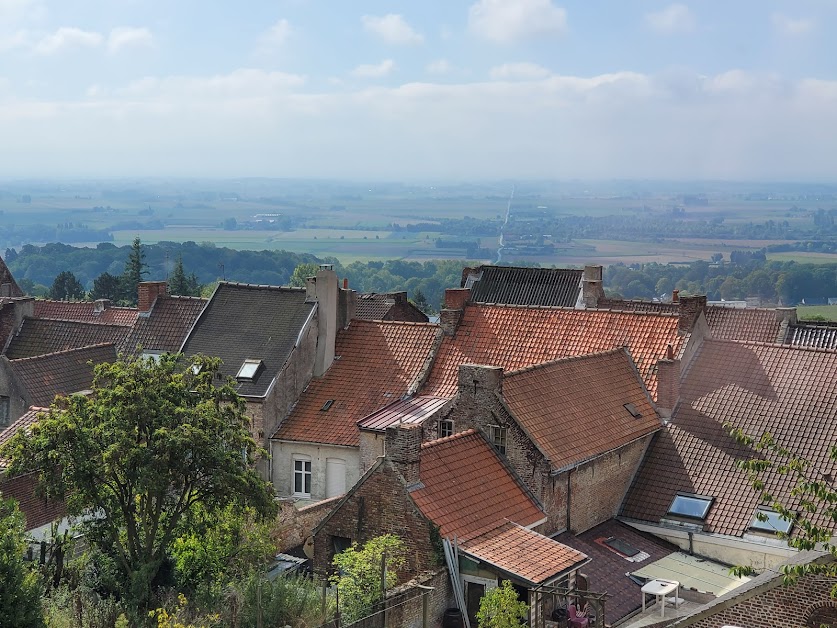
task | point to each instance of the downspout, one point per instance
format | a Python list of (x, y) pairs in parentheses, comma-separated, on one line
[(569, 473)]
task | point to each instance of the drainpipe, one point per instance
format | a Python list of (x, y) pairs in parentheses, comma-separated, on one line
[(569, 473)]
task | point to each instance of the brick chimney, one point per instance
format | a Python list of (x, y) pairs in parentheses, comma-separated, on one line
[(675, 296), (668, 383), (690, 309), (403, 449), (346, 305), (449, 317), (324, 289), (592, 288), (147, 293), (478, 379)]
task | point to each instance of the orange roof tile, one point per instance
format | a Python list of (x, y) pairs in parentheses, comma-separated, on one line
[(581, 401), (377, 363), (750, 324), (467, 490), (789, 392), (524, 553), (85, 311), (515, 337)]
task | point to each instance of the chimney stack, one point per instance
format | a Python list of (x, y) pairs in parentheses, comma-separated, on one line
[(147, 293), (475, 379), (403, 448), (451, 314), (675, 296), (592, 288), (690, 309), (668, 383), (324, 290)]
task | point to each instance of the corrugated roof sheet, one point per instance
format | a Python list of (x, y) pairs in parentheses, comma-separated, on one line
[(467, 490), (85, 311), (378, 361), (516, 337), (581, 401), (525, 286), (60, 373), (815, 336), (165, 326), (248, 322), (38, 336), (411, 410), (789, 392), (524, 553)]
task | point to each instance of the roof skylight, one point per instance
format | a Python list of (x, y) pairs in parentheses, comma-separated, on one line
[(249, 369), (690, 506), (766, 520)]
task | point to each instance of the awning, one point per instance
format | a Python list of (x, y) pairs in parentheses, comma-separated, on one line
[(692, 572)]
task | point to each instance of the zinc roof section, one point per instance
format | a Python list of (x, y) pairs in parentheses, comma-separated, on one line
[(524, 553), (811, 335), (60, 373), (37, 510), (249, 322), (39, 336), (747, 324), (789, 392), (580, 402), (411, 410), (515, 337), (165, 326), (85, 311), (378, 361), (525, 286), (467, 490)]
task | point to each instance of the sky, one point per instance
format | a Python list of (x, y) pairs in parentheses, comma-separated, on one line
[(419, 90)]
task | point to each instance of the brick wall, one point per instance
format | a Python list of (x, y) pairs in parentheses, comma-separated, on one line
[(787, 606), (405, 603), (297, 524), (371, 448), (379, 505)]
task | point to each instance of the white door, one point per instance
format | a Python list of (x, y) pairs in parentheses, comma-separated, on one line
[(335, 477)]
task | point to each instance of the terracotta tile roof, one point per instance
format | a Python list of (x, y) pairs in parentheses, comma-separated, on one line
[(581, 401), (165, 326), (248, 322), (24, 422), (378, 361), (813, 335), (789, 392), (39, 336), (608, 569), (749, 324), (411, 410), (467, 490), (37, 510), (523, 286), (515, 337), (84, 311), (60, 373), (524, 553), (388, 306), (639, 305)]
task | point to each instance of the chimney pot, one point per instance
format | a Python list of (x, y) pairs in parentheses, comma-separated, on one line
[(669, 352), (675, 296), (345, 283)]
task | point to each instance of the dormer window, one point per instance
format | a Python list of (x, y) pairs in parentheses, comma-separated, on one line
[(249, 370), (690, 506), (770, 521)]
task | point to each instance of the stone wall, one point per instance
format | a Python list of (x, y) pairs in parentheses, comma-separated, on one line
[(406, 605), (297, 524)]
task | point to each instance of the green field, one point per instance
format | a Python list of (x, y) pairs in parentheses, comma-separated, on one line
[(807, 312)]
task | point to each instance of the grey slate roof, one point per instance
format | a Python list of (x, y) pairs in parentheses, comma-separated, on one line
[(39, 336), (248, 322), (523, 286), (165, 326)]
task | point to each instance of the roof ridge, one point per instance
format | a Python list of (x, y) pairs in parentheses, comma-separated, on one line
[(72, 320), (776, 345), (90, 303), (241, 284), (74, 350), (445, 439), (571, 358), (571, 309), (185, 297), (377, 323)]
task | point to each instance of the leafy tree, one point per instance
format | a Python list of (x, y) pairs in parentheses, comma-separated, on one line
[(359, 582), (181, 284), (420, 301), (10, 255), (66, 287), (106, 286), (135, 271), (136, 458), (301, 273), (20, 591), (501, 608)]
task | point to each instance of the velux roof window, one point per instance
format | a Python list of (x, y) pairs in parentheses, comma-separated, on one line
[(766, 520), (690, 506), (249, 369)]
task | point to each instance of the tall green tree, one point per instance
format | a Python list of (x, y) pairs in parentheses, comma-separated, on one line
[(135, 270), (66, 287), (301, 273), (182, 284), (153, 442), (106, 286), (20, 590)]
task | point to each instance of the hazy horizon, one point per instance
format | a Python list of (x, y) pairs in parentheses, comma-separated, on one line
[(481, 90)]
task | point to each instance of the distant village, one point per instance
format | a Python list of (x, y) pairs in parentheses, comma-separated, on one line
[(538, 432)]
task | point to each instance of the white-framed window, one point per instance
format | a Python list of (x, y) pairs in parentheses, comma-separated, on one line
[(498, 438), (302, 476), (690, 506), (249, 369), (5, 409), (445, 428)]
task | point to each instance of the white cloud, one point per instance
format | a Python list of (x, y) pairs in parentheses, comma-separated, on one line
[(242, 83), (19, 39), (374, 70), (505, 21), (276, 36), (129, 37), (518, 72), (392, 28), (439, 66), (15, 11), (68, 37), (792, 27), (675, 18)]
